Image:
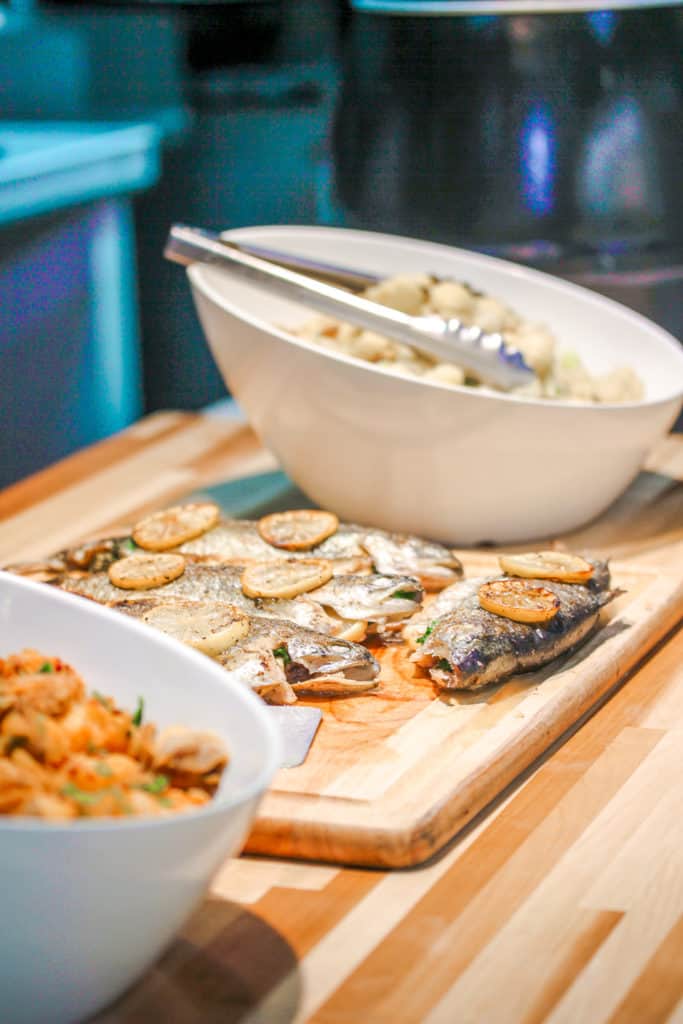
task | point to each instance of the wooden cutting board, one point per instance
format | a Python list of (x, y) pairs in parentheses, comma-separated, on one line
[(392, 776)]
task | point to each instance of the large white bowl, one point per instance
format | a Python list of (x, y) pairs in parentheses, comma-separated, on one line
[(458, 465), (87, 907)]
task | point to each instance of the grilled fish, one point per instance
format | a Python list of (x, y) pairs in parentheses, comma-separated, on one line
[(351, 549), (466, 647), (328, 609), (279, 659), (312, 662)]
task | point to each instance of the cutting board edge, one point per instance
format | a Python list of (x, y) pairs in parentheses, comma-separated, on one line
[(407, 843)]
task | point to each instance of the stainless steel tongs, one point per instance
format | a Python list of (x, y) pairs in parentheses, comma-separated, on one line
[(485, 355)]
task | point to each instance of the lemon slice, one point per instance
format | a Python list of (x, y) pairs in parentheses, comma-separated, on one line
[(141, 572), (518, 600), (285, 577), (209, 628), (173, 526), (548, 565), (299, 530)]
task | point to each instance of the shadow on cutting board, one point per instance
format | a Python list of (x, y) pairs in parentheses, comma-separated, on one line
[(250, 497)]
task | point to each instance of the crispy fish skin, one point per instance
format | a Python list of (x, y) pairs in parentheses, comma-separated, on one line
[(383, 600), (352, 549), (206, 582), (359, 598), (469, 647), (251, 664), (310, 662)]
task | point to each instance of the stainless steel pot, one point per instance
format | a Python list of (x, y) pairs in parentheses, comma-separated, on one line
[(548, 132)]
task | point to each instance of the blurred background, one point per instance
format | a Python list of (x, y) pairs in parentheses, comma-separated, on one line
[(550, 133)]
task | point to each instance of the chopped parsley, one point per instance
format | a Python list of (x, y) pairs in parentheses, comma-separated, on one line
[(282, 652), (444, 664), (72, 791), (129, 545), (139, 712), (47, 666), (406, 595), (157, 785), (428, 631)]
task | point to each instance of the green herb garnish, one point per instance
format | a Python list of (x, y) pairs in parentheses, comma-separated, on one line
[(444, 664), (139, 712), (156, 785), (47, 666), (428, 631), (406, 595), (81, 797), (128, 545), (104, 701), (282, 652)]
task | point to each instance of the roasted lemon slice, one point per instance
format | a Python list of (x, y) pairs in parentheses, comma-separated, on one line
[(173, 526), (211, 628), (285, 577), (141, 572), (518, 600), (299, 530), (548, 565)]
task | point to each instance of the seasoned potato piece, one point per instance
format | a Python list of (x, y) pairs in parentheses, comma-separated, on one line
[(452, 299), (621, 385), (406, 292), (189, 751), (446, 373)]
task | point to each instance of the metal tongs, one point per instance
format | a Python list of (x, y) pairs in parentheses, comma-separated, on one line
[(487, 356)]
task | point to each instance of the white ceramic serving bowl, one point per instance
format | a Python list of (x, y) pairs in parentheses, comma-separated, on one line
[(87, 907), (458, 465)]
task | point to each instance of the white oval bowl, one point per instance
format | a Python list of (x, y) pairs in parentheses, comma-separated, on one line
[(87, 907), (456, 464)]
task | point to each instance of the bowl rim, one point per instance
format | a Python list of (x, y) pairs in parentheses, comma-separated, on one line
[(194, 659), (197, 276)]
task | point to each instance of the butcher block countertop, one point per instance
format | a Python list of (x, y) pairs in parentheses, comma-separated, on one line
[(561, 901)]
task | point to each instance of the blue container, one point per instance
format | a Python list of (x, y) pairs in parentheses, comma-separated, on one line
[(70, 362)]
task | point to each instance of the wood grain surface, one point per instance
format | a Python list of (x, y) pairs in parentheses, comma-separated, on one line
[(563, 901)]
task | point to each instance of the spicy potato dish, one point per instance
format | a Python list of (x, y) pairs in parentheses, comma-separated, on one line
[(66, 753)]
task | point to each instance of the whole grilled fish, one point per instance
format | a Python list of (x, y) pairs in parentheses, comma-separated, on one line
[(467, 647), (381, 600), (312, 662), (279, 659), (352, 549)]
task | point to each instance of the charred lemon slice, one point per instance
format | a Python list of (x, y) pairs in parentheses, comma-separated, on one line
[(548, 565), (210, 628), (299, 530), (141, 572), (173, 526), (518, 600), (286, 577)]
